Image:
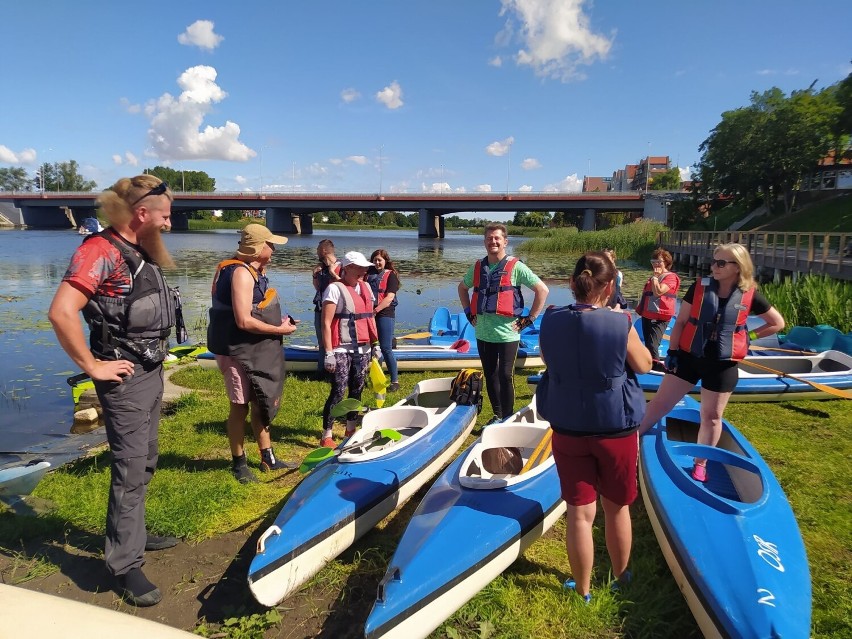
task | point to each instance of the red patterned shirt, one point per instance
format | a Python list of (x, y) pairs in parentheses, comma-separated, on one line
[(98, 267)]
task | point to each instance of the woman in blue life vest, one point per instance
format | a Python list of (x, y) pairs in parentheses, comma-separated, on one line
[(245, 334), (349, 338), (324, 273), (709, 339), (490, 294), (384, 280), (592, 399), (657, 304)]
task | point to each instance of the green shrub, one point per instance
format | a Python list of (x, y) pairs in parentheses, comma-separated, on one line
[(630, 241), (812, 300)]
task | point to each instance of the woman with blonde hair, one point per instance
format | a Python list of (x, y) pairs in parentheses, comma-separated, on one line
[(709, 339)]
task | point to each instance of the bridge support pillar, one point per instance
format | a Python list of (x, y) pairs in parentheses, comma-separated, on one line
[(180, 221), (430, 225), (286, 221), (588, 220)]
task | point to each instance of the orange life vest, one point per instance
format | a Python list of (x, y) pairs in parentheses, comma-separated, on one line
[(658, 307), (493, 291), (356, 324), (729, 327)]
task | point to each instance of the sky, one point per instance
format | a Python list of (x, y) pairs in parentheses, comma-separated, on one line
[(395, 96)]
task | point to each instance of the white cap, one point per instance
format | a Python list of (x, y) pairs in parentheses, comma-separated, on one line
[(356, 258)]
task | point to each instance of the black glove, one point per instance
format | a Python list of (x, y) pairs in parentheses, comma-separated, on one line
[(525, 322), (672, 360), (470, 316)]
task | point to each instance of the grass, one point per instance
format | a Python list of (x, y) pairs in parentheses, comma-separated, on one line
[(828, 216), (630, 241), (812, 300), (194, 496)]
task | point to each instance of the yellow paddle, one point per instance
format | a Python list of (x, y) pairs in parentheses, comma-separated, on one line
[(541, 451), (845, 394), (752, 347), (415, 336)]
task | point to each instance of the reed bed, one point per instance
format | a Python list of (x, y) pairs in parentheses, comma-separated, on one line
[(630, 241), (813, 300)]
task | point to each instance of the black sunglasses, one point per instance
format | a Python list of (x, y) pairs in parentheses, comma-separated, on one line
[(157, 190), (721, 263)]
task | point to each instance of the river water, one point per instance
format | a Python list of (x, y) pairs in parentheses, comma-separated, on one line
[(35, 400)]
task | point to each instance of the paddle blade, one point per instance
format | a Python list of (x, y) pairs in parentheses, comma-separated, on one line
[(315, 457), (415, 336), (377, 381), (345, 406), (461, 345)]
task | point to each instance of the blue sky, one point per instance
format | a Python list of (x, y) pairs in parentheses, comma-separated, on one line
[(395, 95)]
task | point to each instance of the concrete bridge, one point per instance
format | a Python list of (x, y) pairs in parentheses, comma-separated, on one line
[(293, 212)]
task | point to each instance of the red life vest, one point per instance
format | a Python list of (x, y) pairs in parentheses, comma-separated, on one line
[(729, 327), (493, 291), (658, 307), (380, 285), (356, 324)]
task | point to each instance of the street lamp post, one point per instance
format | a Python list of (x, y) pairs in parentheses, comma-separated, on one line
[(381, 148)]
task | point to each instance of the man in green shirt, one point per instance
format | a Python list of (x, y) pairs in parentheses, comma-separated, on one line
[(495, 310)]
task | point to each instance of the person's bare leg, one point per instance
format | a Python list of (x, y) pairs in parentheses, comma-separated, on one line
[(712, 407), (618, 530), (236, 426), (671, 391), (261, 432), (580, 545)]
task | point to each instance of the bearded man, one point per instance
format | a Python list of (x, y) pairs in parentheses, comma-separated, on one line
[(115, 280)]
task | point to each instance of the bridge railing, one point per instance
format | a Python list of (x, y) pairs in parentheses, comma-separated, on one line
[(829, 253)]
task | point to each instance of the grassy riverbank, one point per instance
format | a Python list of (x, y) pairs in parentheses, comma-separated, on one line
[(633, 241), (812, 300), (194, 496)]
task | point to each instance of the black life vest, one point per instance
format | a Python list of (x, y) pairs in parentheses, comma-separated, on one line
[(493, 291), (323, 280), (378, 281), (261, 356), (588, 388), (135, 326), (729, 328)]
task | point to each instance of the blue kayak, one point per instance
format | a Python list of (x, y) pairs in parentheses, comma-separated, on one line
[(832, 369), (348, 494), (477, 518), (732, 543)]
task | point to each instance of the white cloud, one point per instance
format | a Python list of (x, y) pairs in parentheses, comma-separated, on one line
[(766, 72), (200, 34), (525, 188), (569, 184), (131, 159), (349, 95), (239, 179), (117, 159), (530, 163), (496, 61), (436, 187), (335, 161), (556, 37), (315, 170), (483, 188), (176, 123), (391, 95), (25, 156), (358, 159), (685, 173), (129, 106), (500, 148)]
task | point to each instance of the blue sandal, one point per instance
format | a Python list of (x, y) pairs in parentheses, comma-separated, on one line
[(570, 584)]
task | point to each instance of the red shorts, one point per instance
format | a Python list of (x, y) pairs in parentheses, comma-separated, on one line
[(591, 465)]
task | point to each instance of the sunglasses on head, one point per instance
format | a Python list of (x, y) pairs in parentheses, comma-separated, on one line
[(656, 261), (157, 190), (721, 263)]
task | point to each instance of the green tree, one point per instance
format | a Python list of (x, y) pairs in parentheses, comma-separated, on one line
[(667, 181), (759, 152), (15, 179), (231, 215), (184, 181), (520, 218), (62, 176)]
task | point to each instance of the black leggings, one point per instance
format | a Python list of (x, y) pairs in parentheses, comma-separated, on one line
[(498, 366)]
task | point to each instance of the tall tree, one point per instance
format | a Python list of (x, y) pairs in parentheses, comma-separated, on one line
[(15, 179), (667, 181), (760, 151), (62, 176), (184, 181)]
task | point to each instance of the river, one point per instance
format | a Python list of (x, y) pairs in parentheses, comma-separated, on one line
[(35, 400)]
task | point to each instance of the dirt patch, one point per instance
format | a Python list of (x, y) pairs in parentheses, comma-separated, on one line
[(200, 582)]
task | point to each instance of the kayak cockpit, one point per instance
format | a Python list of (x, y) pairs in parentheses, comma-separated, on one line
[(734, 482)]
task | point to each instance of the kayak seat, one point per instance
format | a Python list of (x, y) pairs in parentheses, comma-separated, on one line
[(441, 323), (829, 365)]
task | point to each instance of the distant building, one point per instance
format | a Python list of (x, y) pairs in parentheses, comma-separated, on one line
[(622, 178), (596, 184), (647, 169)]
